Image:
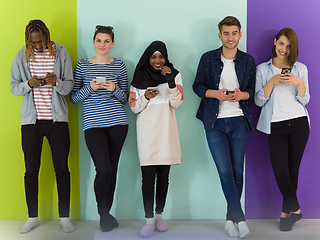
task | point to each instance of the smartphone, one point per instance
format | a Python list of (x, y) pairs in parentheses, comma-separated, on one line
[(153, 89), (285, 70), (228, 92), (41, 78), (100, 79)]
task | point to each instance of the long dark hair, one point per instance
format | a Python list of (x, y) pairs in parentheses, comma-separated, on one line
[(294, 50)]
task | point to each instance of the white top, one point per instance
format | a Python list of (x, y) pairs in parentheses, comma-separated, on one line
[(264, 73), (285, 105), (229, 81), (157, 129)]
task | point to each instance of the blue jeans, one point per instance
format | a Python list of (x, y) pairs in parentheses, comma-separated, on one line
[(227, 143)]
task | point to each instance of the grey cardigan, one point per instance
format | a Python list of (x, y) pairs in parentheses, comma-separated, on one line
[(20, 74)]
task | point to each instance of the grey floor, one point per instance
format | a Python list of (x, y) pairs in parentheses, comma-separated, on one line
[(178, 229)]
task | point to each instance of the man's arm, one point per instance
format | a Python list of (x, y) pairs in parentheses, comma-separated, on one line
[(18, 83), (66, 83), (249, 90), (199, 84)]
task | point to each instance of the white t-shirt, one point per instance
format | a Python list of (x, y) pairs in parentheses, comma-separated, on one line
[(229, 80), (285, 105)]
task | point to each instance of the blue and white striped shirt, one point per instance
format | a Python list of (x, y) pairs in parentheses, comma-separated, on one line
[(101, 108)]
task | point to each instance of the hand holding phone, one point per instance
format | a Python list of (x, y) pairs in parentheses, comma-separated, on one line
[(151, 92), (51, 79), (153, 89), (42, 81)]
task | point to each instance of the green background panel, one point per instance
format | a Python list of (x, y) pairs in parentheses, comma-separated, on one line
[(61, 19)]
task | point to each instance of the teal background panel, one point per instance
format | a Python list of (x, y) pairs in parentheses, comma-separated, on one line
[(189, 29)]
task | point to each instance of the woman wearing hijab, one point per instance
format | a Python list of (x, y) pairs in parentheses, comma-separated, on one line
[(156, 90)]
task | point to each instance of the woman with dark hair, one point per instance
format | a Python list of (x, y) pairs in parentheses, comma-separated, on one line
[(282, 91), (156, 90), (101, 83)]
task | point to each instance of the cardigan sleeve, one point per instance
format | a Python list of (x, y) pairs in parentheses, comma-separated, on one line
[(65, 80), (18, 77)]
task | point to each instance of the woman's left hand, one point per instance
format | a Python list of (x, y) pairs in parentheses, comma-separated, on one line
[(109, 86), (289, 79), (165, 70)]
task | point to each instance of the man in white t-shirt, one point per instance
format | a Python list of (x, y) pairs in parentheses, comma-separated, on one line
[(225, 82)]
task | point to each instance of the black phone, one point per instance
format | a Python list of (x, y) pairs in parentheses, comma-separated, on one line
[(285, 70), (228, 92)]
